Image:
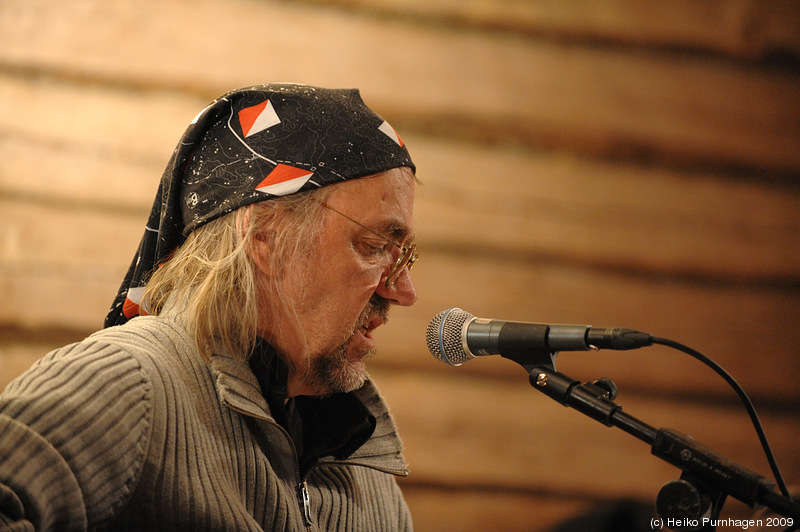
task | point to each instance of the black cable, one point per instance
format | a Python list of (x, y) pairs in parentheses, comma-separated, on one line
[(751, 411)]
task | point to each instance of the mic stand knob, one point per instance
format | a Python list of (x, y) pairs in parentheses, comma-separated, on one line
[(607, 387), (689, 505)]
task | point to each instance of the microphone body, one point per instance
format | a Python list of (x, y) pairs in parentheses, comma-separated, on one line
[(455, 336)]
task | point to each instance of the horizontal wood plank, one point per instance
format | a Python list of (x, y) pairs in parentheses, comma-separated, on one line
[(586, 98), (434, 510), (748, 29), (465, 510), (104, 124)]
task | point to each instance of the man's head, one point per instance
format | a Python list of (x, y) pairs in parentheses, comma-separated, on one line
[(338, 291), (295, 204)]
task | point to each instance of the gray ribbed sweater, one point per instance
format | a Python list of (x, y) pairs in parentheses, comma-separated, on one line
[(129, 429)]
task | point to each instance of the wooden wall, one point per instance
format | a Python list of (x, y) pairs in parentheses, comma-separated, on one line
[(613, 162)]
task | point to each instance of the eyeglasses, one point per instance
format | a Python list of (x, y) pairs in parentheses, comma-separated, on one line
[(408, 254)]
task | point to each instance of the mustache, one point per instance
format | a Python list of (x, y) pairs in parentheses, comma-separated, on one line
[(376, 305)]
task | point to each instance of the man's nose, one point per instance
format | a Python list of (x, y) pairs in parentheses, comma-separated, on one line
[(402, 292)]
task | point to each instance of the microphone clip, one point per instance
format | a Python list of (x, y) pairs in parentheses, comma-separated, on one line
[(531, 359), (595, 399)]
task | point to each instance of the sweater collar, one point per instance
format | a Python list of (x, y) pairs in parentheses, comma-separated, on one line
[(240, 390), (238, 387)]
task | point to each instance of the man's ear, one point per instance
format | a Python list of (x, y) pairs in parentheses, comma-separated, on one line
[(258, 245), (260, 251)]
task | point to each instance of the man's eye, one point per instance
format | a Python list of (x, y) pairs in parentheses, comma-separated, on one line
[(374, 248)]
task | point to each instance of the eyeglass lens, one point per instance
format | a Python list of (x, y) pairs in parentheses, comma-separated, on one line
[(407, 258)]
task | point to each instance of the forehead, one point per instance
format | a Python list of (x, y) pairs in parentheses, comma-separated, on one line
[(382, 201)]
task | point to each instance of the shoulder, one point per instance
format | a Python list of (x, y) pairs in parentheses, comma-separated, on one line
[(119, 362), (90, 405), (77, 376), (145, 335)]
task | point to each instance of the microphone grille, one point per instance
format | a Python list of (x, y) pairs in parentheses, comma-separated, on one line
[(444, 336)]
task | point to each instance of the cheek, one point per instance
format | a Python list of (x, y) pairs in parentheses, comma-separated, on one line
[(343, 282), (355, 289), (340, 290), (354, 272), (350, 294)]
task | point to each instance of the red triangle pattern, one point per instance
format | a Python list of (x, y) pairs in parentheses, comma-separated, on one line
[(249, 115)]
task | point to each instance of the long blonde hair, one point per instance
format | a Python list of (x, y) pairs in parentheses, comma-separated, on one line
[(212, 281)]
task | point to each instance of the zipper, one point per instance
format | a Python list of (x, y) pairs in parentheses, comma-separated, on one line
[(305, 502), (303, 498)]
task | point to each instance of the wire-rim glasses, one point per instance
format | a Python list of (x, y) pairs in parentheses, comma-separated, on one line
[(408, 254)]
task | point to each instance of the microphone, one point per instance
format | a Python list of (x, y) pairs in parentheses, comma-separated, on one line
[(455, 336)]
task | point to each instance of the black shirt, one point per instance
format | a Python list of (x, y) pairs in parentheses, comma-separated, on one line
[(332, 425)]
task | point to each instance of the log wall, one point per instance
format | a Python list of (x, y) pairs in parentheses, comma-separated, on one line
[(613, 162)]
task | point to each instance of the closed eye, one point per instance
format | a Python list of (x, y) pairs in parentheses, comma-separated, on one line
[(376, 247)]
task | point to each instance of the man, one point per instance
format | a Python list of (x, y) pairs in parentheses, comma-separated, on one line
[(228, 389)]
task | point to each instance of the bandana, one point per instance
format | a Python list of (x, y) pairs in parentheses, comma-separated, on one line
[(251, 145)]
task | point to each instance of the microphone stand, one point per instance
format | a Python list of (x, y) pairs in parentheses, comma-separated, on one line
[(692, 503)]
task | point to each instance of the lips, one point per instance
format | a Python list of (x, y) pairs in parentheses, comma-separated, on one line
[(372, 324), (373, 316)]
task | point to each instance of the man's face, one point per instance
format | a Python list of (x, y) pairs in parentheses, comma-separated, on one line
[(343, 297)]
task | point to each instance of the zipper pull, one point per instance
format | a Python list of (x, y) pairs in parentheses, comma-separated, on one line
[(305, 502)]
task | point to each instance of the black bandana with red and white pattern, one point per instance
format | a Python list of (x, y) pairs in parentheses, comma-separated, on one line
[(251, 145)]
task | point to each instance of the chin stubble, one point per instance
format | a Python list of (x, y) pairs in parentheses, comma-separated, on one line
[(332, 371)]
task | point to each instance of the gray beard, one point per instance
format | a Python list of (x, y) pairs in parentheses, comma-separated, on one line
[(332, 371)]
